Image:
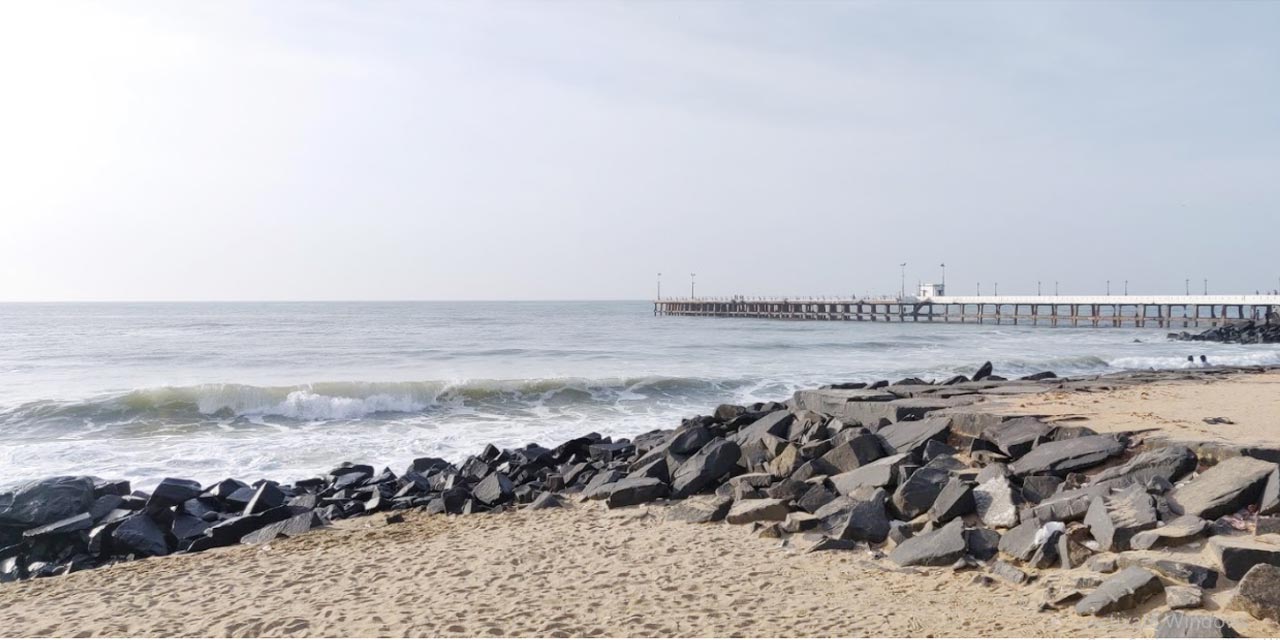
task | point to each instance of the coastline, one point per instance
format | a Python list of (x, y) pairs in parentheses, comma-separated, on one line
[(632, 571)]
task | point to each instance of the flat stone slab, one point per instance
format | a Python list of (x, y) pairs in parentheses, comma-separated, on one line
[(1120, 592), (832, 401), (700, 509), (1113, 521), (906, 437), (938, 548), (994, 501), (881, 473), (1236, 555), (1224, 488), (1064, 456), (759, 510), (1176, 531), (1018, 436)]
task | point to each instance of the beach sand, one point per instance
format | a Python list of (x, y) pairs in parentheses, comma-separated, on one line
[(1173, 410)]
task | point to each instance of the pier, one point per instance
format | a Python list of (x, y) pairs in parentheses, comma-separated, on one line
[(1165, 312)]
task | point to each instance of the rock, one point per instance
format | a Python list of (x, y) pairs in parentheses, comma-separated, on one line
[(1258, 593), (982, 544), (983, 372), (881, 473), (994, 503), (832, 544), (920, 491), (267, 496), (1066, 506), (1266, 525), (857, 517), (79, 522), (599, 487), (1185, 572), (687, 442), (1166, 463), (44, 501), (763, 510), (1037, 488), (546, 500), (712, 461), (1236, 555), (1020, 542), (496, 488), (817, 496), (854, 453), (1102, 564), (911, 436), (292, 526), (1224, 488), (955, 500), (1016, 437), (1184, 597), (1114, 521), (799, 521), (776, 424), (139, 534), (656, 468), (784, 464), (937, 548), (187, 527), (1064, 456), (1177, 624), (1120, 592), (1008, 572), (172, 492), (632, 491), (1177, 531)]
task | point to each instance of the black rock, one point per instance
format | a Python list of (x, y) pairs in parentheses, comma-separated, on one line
[(858, 517), (292, 526), (1224, 488), (1016, 437), (687, 442), (1113, 521), (700, 509), (1020, 541), (885, 472), (104, 505), (1237, 554), (1259, 593), (606, 452), (982, 544), (428, 466), (111, 488), (920, 491), (632, 491), (495, 489), (955, 500), (172, 492), (79, 522), (983, 372), (267, 496), (911, 436), (1122, 591), (139, 534), (187, 527), (1037, 488), (712, 461), (1166, 463), (239, 499), (49, 500), (776, 424), (546, 500), (598, 488), (854, 453), (224, 489), (1176, 531), (1061, 457), (939, 548)]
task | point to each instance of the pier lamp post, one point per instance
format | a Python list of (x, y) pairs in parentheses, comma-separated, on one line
[(1108, 287), (979, 288), (659, 285), (944, 276), (1206, 286), (997, 291), (1037, 287), (1126, 287), (691, 277), (902, 289), (1055, 287), (1188, 284)]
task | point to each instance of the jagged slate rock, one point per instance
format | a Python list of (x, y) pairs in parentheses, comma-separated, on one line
[(656, 468), (816, 497), (632, 491), (881, 473), (172, 492), (293, 526), (598, 488), (1237, 554), (1184, 597), (1113, 521), (609, 451), (982, 544), (1064, 456), (44, 501), (1185, 572), (110, 488), (1008, 572), (700, 509), (1071, 552), (473, 469), (832, 544), (239, 499), (1046, 554), (727, 412), (936, 448), (816, 449), (1065, 506), (555, 482), (267, 496), (104, 505), (687, 442), (1043, 375), (1177, 624), (983, 372), (1037, 488), (919, 492), (835, 401), (1176, 531), (812, 469), (1017, 436), (139, 534), (762, 510), (911, 436), (937, 548), (1258, 593), (799, 521), (955, 500), (224, 489), (854, 453), (995, 504), (858, 517), (305, 500), (1120, 592), (546, 500), (78, 522), (993, 470), (1269, 503), (1266, 525), (1102, 564), (899, 531), (784, 464), (495, 489), (953, 466), (1224, 488), (775, 424), (427, 466), (752, 480), (713, 460), (1167, 463), (573, 474), (1020, 541), (188, 527), (525, 493), (788, 489)]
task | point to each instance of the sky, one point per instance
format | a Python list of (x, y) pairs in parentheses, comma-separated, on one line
[(572, 150)]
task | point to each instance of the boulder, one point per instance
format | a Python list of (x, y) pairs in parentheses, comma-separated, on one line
[(1064, 456), (1166, 463), (816, 497), (1177, 624), (495, 489), (881, 473), (777, 424), (44, 501), (712, 461), (656, 468), (700, 509), (687, 442), (1036, 489), (911, 436), (983, 372), (1177, 531), (1065, 506), (1236, 555), (955, 500), (1021, 542), (1017, 436), (1224, 488), (139, 534), (1113, 521), (546, 500), (1258, 593), (858, 517), (761, 510), (632, 491), (267, 496), (1121, 592), (982, 544), (939, 548), (799, 521), (1184, 597), (187, 527), (994, 503), (920, 491), (854, 453), (1008, 572), (292, 526), (172, 492), (1184, 572), (784, 464)]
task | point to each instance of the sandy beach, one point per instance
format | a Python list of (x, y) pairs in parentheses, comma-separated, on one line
[(590, 571)]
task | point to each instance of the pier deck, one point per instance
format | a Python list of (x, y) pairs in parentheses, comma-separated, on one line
[(1058, 311)]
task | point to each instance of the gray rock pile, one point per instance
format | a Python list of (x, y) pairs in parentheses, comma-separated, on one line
[(1241, 332)]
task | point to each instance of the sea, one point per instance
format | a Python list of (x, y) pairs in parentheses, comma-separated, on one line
[(286, 391)]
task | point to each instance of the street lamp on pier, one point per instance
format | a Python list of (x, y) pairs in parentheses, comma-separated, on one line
[(659, 285), (691, 277)]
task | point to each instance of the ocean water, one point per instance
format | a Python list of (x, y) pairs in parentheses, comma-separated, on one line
[(287, 390)]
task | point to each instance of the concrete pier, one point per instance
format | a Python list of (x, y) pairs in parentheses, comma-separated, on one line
[(1166, 312)]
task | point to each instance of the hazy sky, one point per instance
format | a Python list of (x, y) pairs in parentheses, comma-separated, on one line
[(472, 150)]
